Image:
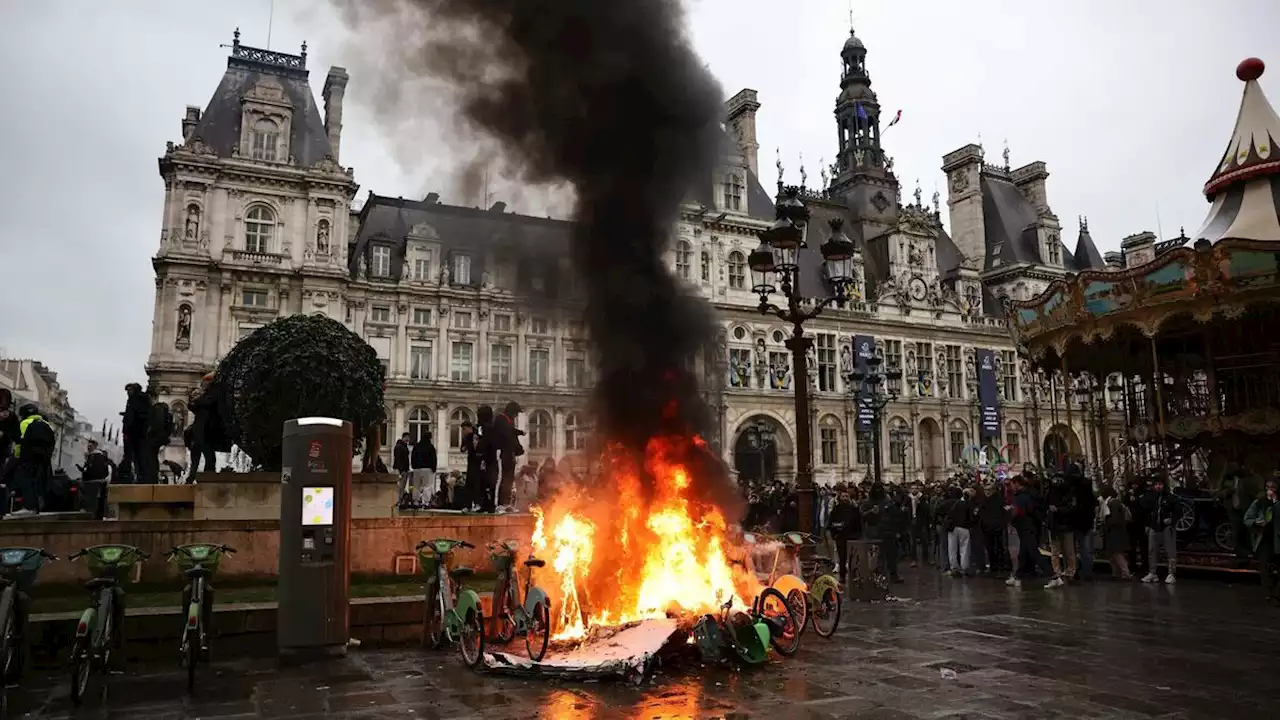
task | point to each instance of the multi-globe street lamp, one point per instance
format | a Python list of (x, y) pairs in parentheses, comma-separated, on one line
[(876, 386), (760, 439), (902, 436), (775, 269)]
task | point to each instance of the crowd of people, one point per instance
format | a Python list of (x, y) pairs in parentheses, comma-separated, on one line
[(970, 526)]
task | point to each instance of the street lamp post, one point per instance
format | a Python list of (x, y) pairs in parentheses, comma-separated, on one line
[(760, 437), (902, 436), (775, 268), (882, 388)]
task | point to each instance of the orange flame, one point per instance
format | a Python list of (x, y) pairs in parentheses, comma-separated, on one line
[(623, 552)]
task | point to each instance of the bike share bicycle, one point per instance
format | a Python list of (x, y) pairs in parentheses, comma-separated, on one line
[(532, 617), (784, 574), (748, 635), (198, 562), (98, 629), (823, 599), (451, 612), (18, 568)]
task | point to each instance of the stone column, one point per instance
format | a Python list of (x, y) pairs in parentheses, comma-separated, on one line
[(482, 352), (557, 434), (227, 334), (441, 436), (399, 427), (444, 352), (520, 363), (400, 343)]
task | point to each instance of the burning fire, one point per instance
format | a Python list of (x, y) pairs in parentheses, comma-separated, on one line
[(628, 550)]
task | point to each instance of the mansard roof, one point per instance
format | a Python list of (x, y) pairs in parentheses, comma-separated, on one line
[(219, 126), (1086, 256), (1010, 224)]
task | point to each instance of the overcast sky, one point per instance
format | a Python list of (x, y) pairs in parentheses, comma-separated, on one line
[(1129, 102)]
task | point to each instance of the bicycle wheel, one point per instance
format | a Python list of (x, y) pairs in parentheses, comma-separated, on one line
[(432, 622), (81, 668), (471, 641), (784, 632), (798, 601), (8, 650), (192, 657), (538, 632), (505, 618), (825, 614)]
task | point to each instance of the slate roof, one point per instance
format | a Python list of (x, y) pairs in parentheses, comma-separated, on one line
[(1010, 222), (219, 126), (1086, 256)]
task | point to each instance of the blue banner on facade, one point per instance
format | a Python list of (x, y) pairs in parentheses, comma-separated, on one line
[(864, 348), (988, 394)]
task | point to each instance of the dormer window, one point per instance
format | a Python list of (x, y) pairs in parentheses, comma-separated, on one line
[(259, 225), (732, 192), (461, 269), (265, 140), (1055, 253), (380, 261)]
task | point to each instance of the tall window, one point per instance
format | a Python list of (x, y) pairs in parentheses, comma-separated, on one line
[(574, 436), (684, 260), (422, 269), (539, 367), (898, 438), (259, 225), (380, 314), (1009, 375), (264, 141), (924, 369), (737, 270), (422, 316), (500, 364), (826, 344), (462, 320), (502, 322), (539, 326), (254, 298), (460, 363), (380, 261), (539, 430), (1055, 252), (575, 373), (705, 259), (419, 424), (458, 417), (1014, 449), (955, 378), (893, 355), (864, 454), (732, 192), (461, 269), (829, 441), (420, 361), (958, 436)]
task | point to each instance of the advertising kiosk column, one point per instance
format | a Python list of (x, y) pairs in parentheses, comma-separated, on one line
[(315, 534)]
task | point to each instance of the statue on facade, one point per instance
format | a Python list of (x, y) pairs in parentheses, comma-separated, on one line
[(193, 222), (184, 324), (322, 238), (762, 361), (812, 356), (444, 273)]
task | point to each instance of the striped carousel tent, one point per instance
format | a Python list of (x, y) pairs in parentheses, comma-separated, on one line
[(1245, 188)]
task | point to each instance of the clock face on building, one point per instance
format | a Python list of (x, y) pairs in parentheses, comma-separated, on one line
[(917, 288)]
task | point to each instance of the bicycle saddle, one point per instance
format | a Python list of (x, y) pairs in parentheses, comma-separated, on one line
[(461, 572), (100, 582), (535, 562)]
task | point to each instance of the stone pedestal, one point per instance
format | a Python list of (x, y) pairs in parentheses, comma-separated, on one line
[(865, 581)]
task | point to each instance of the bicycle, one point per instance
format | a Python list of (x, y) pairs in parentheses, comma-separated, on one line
[(18, 568), (786, 580), (823, 599), (198, 562), (96, 631), (532, 617), (451, 612)]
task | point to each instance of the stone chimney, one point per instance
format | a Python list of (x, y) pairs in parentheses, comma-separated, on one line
[(964, 203), (335, 86), (1139, 249), (189, 122), (740, 119), (1115, 260), (1030, 180)]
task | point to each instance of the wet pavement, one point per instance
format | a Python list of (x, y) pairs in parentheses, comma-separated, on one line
[(956, 649)]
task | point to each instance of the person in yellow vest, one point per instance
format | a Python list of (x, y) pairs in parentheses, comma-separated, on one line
[(34, 452)]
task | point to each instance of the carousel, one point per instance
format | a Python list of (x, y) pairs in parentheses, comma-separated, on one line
[(1184, 338)]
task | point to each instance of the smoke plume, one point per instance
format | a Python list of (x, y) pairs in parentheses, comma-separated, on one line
[(608, 97)]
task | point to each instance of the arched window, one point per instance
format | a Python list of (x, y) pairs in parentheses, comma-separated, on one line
[(575, 437), (259, 226), (1013, 443), (684, 260), (385, 429), (539, 430), (706, 267), (419, 424), (732, 192), (958, 440), (458, 417), (265, 140), (899, 441), (322, 237), (737, 270)]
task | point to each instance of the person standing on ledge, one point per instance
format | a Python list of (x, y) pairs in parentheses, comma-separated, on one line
[(506, 440)]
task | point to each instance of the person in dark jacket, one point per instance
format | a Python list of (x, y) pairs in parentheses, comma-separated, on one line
[(1162, 511), (159, 425), (8, 425), (846, 525), (400, 463), (880, 522), (1083, 518), (133, 427), (208, 431), (917, 512), (991, 522), (33, 468), (506, 440), (466, 494), (1025, 513), (960, 519), (1264, 538), (1114, 523), (1137, 526), (1059, 521), (422, 463)]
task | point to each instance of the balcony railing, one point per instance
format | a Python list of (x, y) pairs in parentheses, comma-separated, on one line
[(257, 258)]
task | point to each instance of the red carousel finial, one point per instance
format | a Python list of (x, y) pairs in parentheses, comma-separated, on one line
[(1250, 69)]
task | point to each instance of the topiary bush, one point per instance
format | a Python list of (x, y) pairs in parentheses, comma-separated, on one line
[(298, 366)]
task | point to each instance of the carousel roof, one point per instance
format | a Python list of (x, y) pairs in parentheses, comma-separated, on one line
[(1245, 187)]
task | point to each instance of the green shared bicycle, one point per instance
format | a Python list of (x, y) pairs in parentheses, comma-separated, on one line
[(823, 601), (97, 636), (532, 617), (198, 561), (452, 612), (18, 568)]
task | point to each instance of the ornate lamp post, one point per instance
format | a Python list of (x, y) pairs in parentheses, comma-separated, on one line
[(882, 388), (903, 437), (760, 438), (1085, 390), (775, 268)]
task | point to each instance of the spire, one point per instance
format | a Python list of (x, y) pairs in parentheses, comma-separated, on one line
[(1086, 255), (1245, 187)]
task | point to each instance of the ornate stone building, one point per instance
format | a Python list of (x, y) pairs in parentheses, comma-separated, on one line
[(257, 225)]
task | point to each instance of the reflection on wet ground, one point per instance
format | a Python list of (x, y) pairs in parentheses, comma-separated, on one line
[(956, 649)]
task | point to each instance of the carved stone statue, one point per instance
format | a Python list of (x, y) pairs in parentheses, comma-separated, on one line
[(184, 324), (812, 356), (486, 280), (762, 360), (322, 238), (193, 222), (846, 360), (444, 273)]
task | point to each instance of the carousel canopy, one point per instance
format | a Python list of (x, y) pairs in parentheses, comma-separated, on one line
[(1234, 261)]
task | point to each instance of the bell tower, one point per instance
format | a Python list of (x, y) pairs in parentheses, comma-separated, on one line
[(863, 175)]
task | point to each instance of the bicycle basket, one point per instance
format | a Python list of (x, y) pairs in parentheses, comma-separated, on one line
[(502, 560), (21, 559), (110, 559), (207, 555), (427, 560)]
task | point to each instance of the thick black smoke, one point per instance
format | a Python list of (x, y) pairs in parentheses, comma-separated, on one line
[(608, 96)]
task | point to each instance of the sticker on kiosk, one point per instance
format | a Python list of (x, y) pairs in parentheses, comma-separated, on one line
[(317, 506)]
